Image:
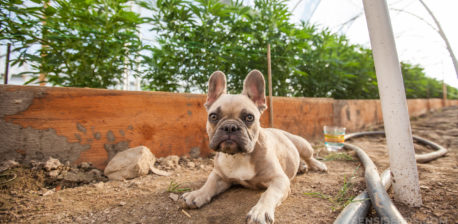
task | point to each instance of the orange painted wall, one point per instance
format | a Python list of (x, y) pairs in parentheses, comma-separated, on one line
[(167, 123)]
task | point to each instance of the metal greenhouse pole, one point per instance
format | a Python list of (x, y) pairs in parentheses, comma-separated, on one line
[(394, 104)]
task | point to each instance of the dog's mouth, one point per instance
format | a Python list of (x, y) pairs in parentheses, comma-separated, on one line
[(227, 144)]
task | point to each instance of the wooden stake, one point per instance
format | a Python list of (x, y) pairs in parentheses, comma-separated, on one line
[(444, 93), (7, 63), (42, 77), (269, 74)]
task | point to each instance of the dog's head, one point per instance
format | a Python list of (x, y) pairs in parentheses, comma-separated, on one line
[(233, 120)]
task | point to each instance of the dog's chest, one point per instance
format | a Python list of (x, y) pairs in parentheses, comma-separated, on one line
[(236, 166)]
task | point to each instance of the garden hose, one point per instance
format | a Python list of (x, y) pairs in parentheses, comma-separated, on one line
[(356, 211)]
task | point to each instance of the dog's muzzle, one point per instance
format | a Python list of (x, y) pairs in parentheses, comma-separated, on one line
[(229, 138)]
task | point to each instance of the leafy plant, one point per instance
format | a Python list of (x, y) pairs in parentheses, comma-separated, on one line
[(343, 196), (92, 43), (78, 43), (175, 188), (338, 156)]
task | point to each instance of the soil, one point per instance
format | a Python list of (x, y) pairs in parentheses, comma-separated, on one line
[(315, 197)]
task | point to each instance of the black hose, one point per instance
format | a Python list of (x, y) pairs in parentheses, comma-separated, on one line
[(385, 208), (421, 158), (356, 211)]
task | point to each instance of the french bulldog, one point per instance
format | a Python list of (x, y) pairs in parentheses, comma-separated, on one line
[(246, 153)]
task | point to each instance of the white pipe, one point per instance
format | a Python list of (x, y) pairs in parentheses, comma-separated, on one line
[(394, 104)]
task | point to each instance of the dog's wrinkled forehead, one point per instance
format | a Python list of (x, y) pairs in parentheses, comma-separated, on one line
[(233, 105)]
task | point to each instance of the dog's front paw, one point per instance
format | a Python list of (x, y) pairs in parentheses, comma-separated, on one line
[(195, 199), (260, 214)]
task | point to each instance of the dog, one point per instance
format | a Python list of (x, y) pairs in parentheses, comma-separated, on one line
[(246, 153)]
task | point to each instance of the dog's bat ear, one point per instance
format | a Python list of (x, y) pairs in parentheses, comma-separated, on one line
[(253, 87), (216, 87)]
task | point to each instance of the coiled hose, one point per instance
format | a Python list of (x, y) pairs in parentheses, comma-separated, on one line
[(356, 211)]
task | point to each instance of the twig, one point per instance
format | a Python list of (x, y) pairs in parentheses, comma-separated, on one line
[(186, 213)]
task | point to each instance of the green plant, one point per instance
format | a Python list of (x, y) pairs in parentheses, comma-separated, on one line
[(175, 188), (338, 156), (76, 43), (343, 196)]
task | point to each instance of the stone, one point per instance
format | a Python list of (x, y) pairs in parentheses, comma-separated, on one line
[(99, 185), (171, 161), (49, 192), (191, 164), (52, 164), (130, 163), (173, 196), (95, 173), (8, 165), (85, 165), (54, 173)]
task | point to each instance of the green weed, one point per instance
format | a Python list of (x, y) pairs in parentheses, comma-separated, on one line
[(342, 198), (339, 156), (175, 188)]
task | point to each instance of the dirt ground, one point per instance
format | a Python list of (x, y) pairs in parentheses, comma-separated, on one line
[(315, 197)]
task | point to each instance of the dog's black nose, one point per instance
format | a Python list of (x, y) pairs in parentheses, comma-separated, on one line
[(229, 128)]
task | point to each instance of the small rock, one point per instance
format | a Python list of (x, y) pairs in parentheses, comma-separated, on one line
[(171, 161), (130, 163), (49, 192), (173, 196), (95, 173), (99, 185), (191, 164), (85, 165), (122, 203), (202, 166), (62, 174), (52, 164), (54, 173), (8, 165)]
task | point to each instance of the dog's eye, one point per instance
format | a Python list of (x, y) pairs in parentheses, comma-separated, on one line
[(213, 117), (249, 118)]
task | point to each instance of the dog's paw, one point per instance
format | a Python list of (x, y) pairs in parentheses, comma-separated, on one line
[(195, 199), (260, 214), (318, 166)]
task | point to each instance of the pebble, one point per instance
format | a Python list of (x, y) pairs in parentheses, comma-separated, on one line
[(52, 164), (173, 196), (8, 165), (99, 185), (53, 173), (191, 164), (49, 192), (85, 165)]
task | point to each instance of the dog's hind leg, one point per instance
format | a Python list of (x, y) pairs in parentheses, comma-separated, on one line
[(306, 152)]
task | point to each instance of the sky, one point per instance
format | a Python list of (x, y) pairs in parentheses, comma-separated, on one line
[(416, 41)]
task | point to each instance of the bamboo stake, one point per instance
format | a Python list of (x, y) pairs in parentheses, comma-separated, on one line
[(269, 74), (7, 63)]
